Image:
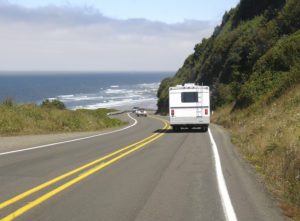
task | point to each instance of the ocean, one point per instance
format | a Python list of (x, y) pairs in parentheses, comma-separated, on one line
[(84, 90)]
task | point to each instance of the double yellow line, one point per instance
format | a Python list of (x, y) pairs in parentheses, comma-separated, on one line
[(115, 156)]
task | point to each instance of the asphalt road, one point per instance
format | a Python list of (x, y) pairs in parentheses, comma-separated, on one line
[(168, 176)]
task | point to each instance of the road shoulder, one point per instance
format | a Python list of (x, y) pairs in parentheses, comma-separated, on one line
[(250, 198), (11, 143)]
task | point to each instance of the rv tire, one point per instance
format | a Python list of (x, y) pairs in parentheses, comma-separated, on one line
[(205, 129), (176, 128)]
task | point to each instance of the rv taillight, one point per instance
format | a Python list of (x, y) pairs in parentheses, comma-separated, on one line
[(172, 113), (206, 111)]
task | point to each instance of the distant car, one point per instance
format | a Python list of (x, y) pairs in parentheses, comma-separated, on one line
[(141, 112), (134, 109)]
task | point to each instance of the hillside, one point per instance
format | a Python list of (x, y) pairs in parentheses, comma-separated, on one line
[(50, 117), (256, 48), (252, 64)]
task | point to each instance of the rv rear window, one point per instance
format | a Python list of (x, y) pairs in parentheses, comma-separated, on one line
[(189, 97)]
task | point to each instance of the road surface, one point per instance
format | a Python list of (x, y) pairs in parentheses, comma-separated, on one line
[(141, 172)]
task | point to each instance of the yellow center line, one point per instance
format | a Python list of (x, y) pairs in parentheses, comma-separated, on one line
[(50, 194), (55, 180), (80, 177)]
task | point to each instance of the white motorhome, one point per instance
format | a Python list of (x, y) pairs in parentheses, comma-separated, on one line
[(189, 106)]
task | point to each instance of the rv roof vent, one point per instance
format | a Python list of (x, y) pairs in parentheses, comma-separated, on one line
[(189, 85)]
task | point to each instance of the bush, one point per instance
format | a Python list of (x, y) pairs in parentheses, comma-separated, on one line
[(274, 73), (56, 104), (256, 38), (8, 102)]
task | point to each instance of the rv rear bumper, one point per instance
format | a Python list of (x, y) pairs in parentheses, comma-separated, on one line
[(189, 125), (190, 121)]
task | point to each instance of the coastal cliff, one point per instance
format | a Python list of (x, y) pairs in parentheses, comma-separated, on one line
[(252, 65), (252, 55)]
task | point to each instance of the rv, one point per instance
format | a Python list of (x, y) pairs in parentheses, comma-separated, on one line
[(189, 106)]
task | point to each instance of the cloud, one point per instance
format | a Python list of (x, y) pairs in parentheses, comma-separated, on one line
[(81, 38)]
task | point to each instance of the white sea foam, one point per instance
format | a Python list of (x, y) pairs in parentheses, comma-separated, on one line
[(115, 91), (150, 85), (66, 96), (123, 103), (114, 96), (80, 98)]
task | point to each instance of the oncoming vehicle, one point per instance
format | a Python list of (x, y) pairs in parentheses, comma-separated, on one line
[(134, 109), (189, 106), (141, 112)]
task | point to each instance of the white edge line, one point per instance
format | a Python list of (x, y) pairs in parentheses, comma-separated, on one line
[(73, 140), (225, 198)]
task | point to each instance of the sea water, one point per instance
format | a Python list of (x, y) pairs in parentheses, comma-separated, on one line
[(86, 90)]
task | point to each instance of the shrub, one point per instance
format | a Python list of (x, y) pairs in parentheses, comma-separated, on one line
[(56, 104), (8, 102)]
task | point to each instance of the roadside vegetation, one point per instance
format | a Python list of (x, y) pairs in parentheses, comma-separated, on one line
[(50, 117), (268, 136), (252, 65)]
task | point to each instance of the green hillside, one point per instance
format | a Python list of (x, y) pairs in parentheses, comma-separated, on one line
[(255, 48), (50, 117), (252, 64)]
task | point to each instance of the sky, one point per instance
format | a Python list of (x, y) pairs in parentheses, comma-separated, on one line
[(104, 35)]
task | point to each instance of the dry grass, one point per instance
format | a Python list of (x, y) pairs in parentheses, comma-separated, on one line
[(269, 138), (33, 119)]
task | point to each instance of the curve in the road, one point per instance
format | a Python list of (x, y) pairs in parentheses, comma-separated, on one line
[(124, 152), (73, 140)]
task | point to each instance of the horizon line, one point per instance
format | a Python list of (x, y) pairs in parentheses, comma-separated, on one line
[(3, 72)]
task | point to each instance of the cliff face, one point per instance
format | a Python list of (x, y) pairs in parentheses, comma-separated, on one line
[(252, 64), (253, 56)]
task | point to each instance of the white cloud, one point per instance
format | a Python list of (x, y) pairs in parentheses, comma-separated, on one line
[(72, 38)]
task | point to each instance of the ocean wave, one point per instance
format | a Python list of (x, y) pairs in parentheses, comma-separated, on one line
[(112, 104), (115, 91), (79, 98), (66, 96), (113, 96), (152, 86)]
